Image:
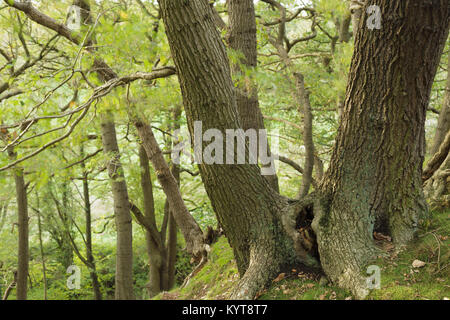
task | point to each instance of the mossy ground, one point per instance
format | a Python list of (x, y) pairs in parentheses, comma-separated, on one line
[(399, 279)]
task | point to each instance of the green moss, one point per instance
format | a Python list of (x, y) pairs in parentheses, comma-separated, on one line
[(214, 281), (399, 280)]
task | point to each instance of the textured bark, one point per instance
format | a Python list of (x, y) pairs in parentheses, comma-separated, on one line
[(172, 225), (344, 29), (374, 181), (41, 247), (305, 109), (192, 233), (301, 96), (22, 226), (124, 247), (172, 244), (444, 116), (437, 188), (155, 248), (356, 9), (88, 223), (3, 212), (438, 158), (247, 208), (435, 176), (242, 38)]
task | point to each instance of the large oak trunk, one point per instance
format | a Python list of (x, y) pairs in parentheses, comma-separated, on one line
[(247, 208), (374, 181)]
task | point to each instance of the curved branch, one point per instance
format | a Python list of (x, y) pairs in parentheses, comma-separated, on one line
[(437, 159)]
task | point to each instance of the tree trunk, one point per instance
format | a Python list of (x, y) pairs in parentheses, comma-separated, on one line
[(247, 208), (172, 225), (435, 176), (192, 233), (242, 38), (374, 181), (3, 213), (41, 246), (344, 28), (124, 248), (444, 116), (356, 9), (88, 222), (171, 246), (22, 223), (65, 233), (305, 109), (155, 249)]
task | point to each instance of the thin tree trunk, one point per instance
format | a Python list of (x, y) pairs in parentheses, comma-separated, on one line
[(3, 213), (435, 176), (436, 188), (172, 237), (301, 96), (242, 38), (154, 249), (88, 222), (344, 26), (191, 231), (172, 225), (124, 248), (438, 158), (356, 8), (444, 116), (41, 246), (22, 222), (305, 108)]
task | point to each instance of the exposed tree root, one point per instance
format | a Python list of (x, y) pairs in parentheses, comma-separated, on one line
[(260, 272), (11, 286), (196, 270)]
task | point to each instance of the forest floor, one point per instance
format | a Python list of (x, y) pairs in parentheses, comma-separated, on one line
[(419, 272)]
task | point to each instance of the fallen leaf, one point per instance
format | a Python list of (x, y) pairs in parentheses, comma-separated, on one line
[(380, 236), (418, 264), (280, 277)]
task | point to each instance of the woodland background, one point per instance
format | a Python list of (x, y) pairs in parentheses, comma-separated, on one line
[(51, 106)]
